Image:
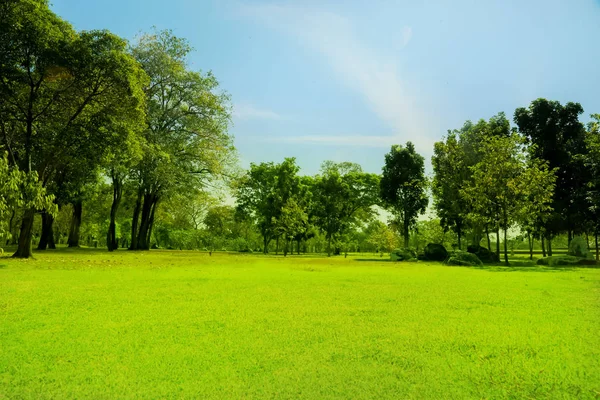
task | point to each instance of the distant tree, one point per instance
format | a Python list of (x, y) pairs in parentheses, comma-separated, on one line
[(592, 162), (291, 222), (559, 139), (264, 191), (503, 181), (403, 186), (381, 237), (342, 195)]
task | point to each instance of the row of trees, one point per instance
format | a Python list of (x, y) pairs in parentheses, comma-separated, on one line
[(78, 109)]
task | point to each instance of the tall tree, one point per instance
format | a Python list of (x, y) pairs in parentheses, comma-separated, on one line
[(186, 140), (403, 186), (59, 87), (342, 195), (559, 139), (264, 191)]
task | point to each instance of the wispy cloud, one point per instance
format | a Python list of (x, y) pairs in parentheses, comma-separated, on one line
[(247, 111), (406, 35), (348, 140), (369, 73)]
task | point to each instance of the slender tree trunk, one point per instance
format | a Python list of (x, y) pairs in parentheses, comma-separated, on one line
[(285, 245), (75, 224), (47, 237), (25, 235), (487, 235), (459, 234), (587, 240), (265, 243), (498, 241), (111, 236), (549, 246), (597, 250), (406, 238), (530, 239), (543, 246), (151, 222), (135, 221), (569, 237), (10, 225), (329, 246), (505, 248)]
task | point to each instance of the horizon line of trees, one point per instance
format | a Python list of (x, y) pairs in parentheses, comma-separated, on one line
[(124, 145)]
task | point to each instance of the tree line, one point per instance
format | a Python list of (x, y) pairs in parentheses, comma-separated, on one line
[(124, 145)]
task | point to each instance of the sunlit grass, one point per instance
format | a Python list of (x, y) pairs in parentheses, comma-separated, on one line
[(89, 324)]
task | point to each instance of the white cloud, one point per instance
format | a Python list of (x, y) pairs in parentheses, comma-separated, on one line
[(354, 63), (406, 35), (246, 111)]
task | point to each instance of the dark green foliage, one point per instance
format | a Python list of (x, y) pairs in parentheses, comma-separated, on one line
[(558, 260), (578, 247), (403, 255), (483, 253), (435, 252), (463, 259)]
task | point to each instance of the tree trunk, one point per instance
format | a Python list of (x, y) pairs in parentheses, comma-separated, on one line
[(487, 235), (406, 238), (569, 237), (24, 244), (459, 234), (265, 243), (277, 246), (543, 246), (505, 248), (597, 253), (143, 239), (10, 225), (329, 246), (498, 241), (75, 224), (298, 246), (111, 236), (549, 246), (151, 223), (285, 246), (530, 239), (47, 237), (135, 221)]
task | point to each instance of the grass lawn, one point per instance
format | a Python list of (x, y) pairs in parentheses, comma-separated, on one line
[(160, 324)]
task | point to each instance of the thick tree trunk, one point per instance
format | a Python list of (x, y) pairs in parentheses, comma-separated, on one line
[(24, 244), (543, 246), (549, 246), (75, 224), (111, 236), (47, 237), (406, 238), (143, 239), (135, 221)]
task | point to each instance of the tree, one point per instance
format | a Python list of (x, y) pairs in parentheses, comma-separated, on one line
[(342, 195), (403, 186), (503, 181), (263, 192), (186, 140), (59, 88), (592, 162), (19, 189), (291, 223), (559, 139)]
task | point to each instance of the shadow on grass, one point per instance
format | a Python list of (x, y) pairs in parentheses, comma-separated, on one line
[(374, 259)]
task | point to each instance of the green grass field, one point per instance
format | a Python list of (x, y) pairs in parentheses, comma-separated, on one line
[(89, 324)]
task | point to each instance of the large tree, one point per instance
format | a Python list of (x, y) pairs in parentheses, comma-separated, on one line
[(186, 139), (559, 139), (403, 186), (342, 196), (59, 87)]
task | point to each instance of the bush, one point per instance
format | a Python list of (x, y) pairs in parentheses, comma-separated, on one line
[(463, 259), (483, 253), (558, 260), (435, 252), (403, 255), (587, 261), (578, 247), (246, 251)]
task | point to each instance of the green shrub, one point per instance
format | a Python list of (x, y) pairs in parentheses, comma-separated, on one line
[(403, 255), (578, 247), (558, 260), (435, 252), (483, 253), (463, 259)]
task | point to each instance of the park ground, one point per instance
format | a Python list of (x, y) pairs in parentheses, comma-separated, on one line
[(176, 324)]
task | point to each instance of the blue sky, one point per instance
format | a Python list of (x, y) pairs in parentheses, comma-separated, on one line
[(344, 80)]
